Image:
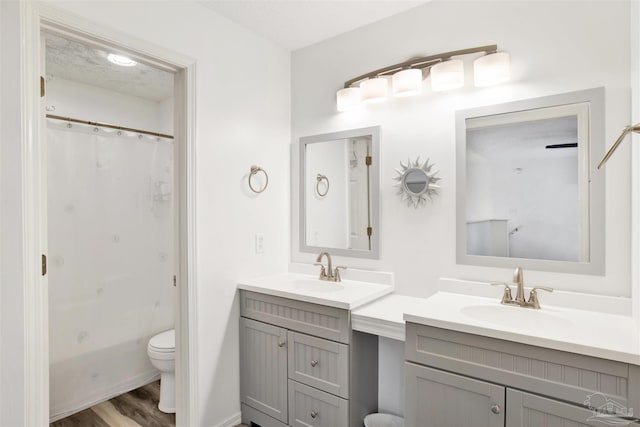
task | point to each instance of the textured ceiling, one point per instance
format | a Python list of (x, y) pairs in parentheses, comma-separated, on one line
[(74, 61), (294, 24)]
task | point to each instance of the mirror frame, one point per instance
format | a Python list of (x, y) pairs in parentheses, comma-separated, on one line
[(374, 189), (595, 181)]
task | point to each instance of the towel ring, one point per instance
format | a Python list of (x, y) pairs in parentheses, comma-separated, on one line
[(254, 171), (319, 179)]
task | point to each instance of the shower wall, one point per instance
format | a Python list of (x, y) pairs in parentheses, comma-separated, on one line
[(110, 221)]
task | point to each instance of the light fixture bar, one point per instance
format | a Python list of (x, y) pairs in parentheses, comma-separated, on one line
[(421, 63)]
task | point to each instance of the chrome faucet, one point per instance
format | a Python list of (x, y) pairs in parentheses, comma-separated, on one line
[(518, 279), (329, 273)]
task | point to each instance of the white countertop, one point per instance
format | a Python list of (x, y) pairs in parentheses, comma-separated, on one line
[(347, 294), (604, 335), (385, 316)]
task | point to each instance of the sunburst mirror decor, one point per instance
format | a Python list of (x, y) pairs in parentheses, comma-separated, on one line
[(416, 182)]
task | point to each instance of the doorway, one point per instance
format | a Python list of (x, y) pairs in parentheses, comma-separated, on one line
[(53, 22)]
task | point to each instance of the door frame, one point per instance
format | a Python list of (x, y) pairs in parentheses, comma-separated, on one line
[(36, 17)]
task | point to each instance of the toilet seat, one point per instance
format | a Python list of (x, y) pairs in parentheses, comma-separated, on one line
[(164, 342), (163, 346)]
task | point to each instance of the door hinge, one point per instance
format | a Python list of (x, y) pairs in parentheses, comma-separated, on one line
[(368, 160), (44, 264), (369, 231), (175, 281), (42, 84)]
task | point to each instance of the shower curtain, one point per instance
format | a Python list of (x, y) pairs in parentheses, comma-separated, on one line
[(111, 260)]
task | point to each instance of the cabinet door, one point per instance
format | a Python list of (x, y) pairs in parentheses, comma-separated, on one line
[(263, 369), (437, 398), (529, 410)]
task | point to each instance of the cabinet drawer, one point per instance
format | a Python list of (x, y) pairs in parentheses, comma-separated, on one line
[(252, 417), (309, 407), (528, 410), (558, 374), (319, 363), (313, 319)]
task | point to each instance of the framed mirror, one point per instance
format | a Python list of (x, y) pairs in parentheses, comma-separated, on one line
[(528, 192), (339, 188)]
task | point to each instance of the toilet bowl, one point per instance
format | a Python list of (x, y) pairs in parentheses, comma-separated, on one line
[(162, 352)]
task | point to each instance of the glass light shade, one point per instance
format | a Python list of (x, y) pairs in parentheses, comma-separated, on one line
[(491, 69), (447, 75), (407, 82), (348, 98), (375, 89)]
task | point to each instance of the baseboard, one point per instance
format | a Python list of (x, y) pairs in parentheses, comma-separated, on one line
[(106, 394), (232, 421)]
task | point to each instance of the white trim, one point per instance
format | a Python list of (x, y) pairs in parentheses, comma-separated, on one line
[(379, 327), (635, 159), (37, 16), (106, 394), (232, 421)]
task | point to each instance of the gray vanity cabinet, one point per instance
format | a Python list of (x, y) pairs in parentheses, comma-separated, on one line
[(302, 366), (455, 378), (436, 398), (264, 351), (529, 410)]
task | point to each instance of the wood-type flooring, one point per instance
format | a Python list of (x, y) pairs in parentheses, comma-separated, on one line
[(138, 408)]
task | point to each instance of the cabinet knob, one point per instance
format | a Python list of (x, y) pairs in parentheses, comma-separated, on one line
[(496, 409), (314, 414), (314, 363), (281, 343)]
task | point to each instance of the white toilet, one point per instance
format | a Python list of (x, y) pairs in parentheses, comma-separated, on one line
[(162, 352)]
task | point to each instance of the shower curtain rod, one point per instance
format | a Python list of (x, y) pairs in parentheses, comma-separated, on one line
[(107, 125)]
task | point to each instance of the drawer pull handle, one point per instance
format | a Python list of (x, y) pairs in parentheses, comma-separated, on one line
[(314, 363), (314, 414), (495, 409), (281, 343)]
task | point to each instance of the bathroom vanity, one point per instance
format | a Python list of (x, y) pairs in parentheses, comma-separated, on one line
[(459, 372), (301, 363)]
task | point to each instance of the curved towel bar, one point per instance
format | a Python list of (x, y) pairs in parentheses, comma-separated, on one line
[(254, 171), (319, 179)]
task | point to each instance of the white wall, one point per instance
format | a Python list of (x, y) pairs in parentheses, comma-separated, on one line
[(553, 47), (419, 245), (12, 367), (86, 102), (240, 122)]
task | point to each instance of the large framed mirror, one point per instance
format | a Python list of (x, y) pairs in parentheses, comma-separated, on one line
[(339, 193), (528, 192)]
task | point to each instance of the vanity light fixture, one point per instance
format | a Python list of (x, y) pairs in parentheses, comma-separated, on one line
[(374, 89), (120, 60), (492, 69), (407, 82), (446, 73)]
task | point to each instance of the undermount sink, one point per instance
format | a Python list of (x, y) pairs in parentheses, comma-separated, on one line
[(316, 286), (517, 317)]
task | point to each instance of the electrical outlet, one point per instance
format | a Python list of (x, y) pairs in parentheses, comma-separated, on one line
[(259, 243)]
